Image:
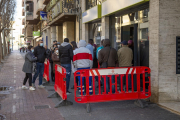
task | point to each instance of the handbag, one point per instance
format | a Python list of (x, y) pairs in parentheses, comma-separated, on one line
[(105, 64)]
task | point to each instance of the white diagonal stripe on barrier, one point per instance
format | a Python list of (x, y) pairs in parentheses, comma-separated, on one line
[(60, 69), (94, 72), (130, 71)]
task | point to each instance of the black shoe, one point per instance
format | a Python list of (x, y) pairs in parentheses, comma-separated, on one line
[(68, 93), (72, 87)]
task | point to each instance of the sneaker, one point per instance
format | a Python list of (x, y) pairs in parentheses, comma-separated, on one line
[(68, 93), (32, 88), (24, 87), (33, 85), (41, 86)]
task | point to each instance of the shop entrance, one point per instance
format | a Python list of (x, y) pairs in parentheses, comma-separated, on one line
[(140, 46)]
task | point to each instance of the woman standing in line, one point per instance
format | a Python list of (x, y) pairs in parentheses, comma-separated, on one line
[(55, 59), (28, 67)]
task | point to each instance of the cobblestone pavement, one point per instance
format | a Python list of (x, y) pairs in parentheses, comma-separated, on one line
[(19, 104)]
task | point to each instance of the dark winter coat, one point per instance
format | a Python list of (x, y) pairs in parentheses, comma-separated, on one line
[(40, 53), (105, 55), (65, 53)]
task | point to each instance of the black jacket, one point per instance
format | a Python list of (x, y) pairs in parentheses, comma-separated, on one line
[(40, 53), (65, 53)]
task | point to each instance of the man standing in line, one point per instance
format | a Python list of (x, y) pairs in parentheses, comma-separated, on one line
[(125, 57), (90, 47), (41, 55), (83, 60), (108, 58), (66, 56)]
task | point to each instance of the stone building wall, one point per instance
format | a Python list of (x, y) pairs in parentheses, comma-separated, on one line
[(164, 26)]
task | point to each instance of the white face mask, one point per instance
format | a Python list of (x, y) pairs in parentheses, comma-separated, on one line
[(57, 51), (58, 45)]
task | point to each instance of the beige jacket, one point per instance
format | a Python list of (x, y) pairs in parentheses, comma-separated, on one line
[(125, 56)]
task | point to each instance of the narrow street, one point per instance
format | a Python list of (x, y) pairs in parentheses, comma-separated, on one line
[(20, 104), (34, 105)]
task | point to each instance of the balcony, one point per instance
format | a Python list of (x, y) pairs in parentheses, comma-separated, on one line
[(29, 16), (40, 7), (61, 11), (45, 2), (22, 3)]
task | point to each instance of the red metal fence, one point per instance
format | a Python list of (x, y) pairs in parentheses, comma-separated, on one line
[(114, 84), (60, 81), (46, 70)]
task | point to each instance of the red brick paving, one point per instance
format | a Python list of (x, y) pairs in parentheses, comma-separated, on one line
[(19, 104)]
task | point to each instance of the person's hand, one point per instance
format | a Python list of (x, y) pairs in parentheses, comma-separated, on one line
[(46, 60)]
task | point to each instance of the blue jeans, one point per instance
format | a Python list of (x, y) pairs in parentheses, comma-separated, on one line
[(84, 83), (108, 84), (39, 71), (68, 74), (129, 82)]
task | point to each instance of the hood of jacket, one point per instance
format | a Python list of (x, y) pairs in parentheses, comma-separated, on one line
[(65, 44), (82, 43), (106, 43)]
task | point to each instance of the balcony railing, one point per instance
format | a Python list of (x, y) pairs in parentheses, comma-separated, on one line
[(92, 3), (55, 7)]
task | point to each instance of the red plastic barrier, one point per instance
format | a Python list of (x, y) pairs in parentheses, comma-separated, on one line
[(46, 71), (60, 81), (139, 79)]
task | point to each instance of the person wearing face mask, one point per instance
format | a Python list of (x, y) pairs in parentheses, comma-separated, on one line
[(28, 67), (40, 53), (58, 44), (55, 59)]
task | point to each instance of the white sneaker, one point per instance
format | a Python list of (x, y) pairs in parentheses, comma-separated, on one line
[(41, 86), (32, 88), (24, 87), (33, 85)]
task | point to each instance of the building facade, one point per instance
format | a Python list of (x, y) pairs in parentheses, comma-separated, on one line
[(153, 25)]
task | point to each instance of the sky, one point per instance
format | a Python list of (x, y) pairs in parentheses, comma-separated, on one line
[(18, 20)]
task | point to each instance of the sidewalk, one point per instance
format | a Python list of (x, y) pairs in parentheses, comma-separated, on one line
[(20, 104)]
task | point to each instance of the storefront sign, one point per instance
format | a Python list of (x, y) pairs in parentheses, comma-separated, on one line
[(91, 14), (36, 33), (43, 15), (109, 7)]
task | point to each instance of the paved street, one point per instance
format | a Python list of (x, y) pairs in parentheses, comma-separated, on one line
[(20, 104)]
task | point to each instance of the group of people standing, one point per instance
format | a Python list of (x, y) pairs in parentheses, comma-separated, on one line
[(75, 57)]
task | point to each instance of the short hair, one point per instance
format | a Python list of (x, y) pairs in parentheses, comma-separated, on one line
[(55, 41), (29, 47), (91, 41), (66, 40)]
